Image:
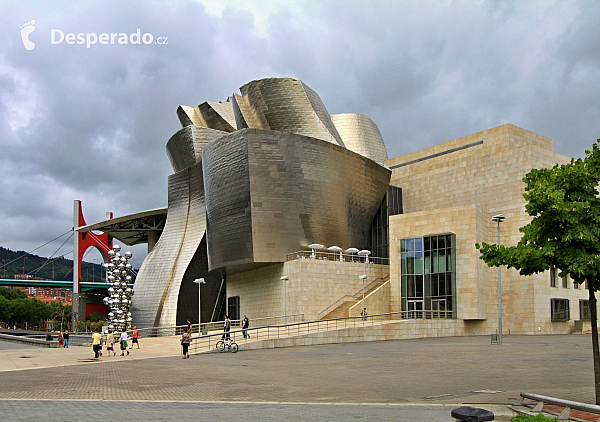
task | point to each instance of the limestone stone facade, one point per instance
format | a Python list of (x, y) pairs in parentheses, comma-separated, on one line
[(314, 287), (456, 187)]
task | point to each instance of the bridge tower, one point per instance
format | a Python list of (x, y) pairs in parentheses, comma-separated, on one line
[(82, 241)]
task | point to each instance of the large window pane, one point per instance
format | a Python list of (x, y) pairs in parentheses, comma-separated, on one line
[(434, 262), (442, 260), (419, 285), (427, 283), (410, 284), (418, 262), (427, 273), (441, 242), (434, 284), (410, 263), (418, 245)]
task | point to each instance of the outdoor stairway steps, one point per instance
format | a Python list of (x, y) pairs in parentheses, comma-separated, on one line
[(343, 310)]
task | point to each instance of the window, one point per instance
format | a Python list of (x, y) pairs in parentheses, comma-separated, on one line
[(559, 309), (378, 233), (575, 285), (233, 308), (565, 280), (552, 277), (584, 310), (428, 276)]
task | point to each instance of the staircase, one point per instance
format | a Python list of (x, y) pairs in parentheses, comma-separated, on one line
[(341, 308)]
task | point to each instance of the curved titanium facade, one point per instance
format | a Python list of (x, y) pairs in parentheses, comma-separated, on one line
[(255, 179), (184, 149), (209, 114), (160, 277), (269, 193), (284, 104), (361, 135)]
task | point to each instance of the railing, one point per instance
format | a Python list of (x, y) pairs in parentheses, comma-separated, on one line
[(333, 256), (354, 297), (208, 342), (176, 330), (567, 404)]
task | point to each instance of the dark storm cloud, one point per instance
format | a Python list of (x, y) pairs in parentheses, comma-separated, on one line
[(92, 124)]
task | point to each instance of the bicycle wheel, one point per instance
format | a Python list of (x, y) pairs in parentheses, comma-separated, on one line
[(233, 348), (220, 346)]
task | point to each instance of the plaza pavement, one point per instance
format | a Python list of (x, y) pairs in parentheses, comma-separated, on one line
[(401, 380)]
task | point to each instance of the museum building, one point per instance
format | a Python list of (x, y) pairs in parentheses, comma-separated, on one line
[(284, 210)]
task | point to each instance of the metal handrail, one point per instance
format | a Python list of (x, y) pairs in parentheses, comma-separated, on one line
[(208, 342), (355, 296), (567, 404), (175, 330), (333, 256)]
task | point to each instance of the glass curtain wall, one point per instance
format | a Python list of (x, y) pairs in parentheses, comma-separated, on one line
[(379, 231), (428, 276)]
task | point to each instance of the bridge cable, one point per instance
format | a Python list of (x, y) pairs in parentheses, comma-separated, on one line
[(49, 259), (33, 250)]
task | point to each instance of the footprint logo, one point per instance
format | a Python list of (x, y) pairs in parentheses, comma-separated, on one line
[(26, 29)]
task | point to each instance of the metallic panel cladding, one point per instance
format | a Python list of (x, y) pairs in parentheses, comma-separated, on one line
[(159, 279), (184, 149), (361, 135), (269, 193), (285, 104), (228, 219)]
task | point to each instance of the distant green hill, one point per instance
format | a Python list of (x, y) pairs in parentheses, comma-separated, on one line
[(20, 262)]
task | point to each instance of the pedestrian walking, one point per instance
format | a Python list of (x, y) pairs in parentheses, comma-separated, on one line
[(185, 343), (110, 343), (226, 329), (134, 338), (245, 325), (364, 314), (124, 338), (189, 326), (60, 338), (96, 343), (66, 339)]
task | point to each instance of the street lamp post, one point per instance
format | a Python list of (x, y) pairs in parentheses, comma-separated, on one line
[(498, 219), (363, 278), (366, 254), (199, 282), (285, 278)]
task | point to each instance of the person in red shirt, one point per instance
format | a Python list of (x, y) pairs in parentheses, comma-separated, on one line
[(134, 338)]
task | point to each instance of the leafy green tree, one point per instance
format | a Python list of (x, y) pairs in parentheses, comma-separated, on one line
[(61, 313), (12, 293), (16, 307), (5, 312), (564, 232)]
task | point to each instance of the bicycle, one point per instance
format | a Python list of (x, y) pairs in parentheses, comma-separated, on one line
[(226, 344)]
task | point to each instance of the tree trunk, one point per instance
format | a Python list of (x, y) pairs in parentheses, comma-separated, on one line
[(596, 350)]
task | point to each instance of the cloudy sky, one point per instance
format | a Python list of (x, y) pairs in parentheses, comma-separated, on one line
[(92, 123)]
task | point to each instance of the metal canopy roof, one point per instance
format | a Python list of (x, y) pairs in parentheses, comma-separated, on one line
[(131, 229)]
